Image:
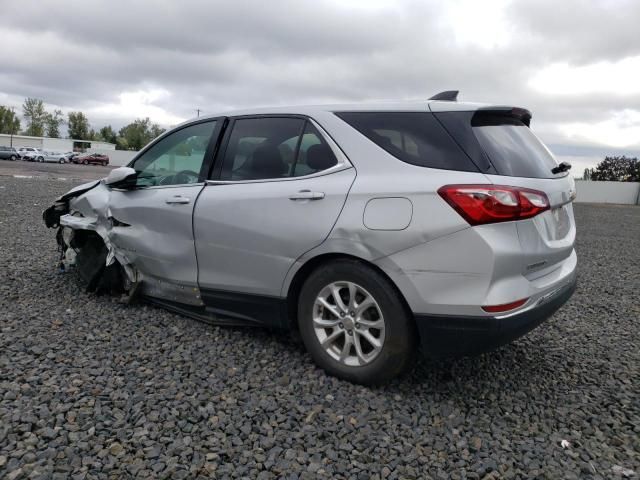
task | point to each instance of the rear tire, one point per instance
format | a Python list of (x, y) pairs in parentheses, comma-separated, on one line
[(84, 162), (379, 341), (61, 160), (12, 158), (40, 159)]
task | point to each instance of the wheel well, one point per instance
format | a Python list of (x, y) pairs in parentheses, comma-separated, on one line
[(308, 268)]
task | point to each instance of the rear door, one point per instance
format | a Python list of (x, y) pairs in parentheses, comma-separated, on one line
[(503, 144), (276, 193)]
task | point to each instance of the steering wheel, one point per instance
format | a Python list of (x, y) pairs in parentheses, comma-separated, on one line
[(181, 177), (186, 176)]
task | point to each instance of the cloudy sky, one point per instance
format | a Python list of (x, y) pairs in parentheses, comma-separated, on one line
[(575, 64)]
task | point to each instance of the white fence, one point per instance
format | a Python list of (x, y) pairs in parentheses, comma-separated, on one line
[(608, 192)]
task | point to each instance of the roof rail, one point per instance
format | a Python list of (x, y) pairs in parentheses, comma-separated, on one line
[(447, 96)]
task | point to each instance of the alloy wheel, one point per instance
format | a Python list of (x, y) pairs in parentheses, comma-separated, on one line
[(348, 323)]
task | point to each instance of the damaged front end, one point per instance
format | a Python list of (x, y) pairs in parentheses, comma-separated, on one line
[(81, 217)]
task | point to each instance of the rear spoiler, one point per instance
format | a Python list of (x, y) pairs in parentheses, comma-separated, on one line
[(518, 113)]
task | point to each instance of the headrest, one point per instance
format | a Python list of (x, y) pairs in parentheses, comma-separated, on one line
[(320, 157), (267, 162)]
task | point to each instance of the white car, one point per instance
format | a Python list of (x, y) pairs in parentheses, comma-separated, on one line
[(56, 157), (30, 154)]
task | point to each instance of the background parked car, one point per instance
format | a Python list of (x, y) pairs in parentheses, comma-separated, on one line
[(56, 157), (71, 156), (9, 153), (31, 154), (93, 158)]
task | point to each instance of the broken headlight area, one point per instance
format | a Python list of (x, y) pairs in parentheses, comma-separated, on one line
[(85, 252), (84, 241)]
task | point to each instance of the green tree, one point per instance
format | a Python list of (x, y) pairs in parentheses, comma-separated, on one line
[(53, 122), (9, 121), (35, 115), (121, 143), (78, 126), (108, 134), (139, 133), (617, 169)]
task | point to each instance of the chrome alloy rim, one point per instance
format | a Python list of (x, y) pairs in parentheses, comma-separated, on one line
[(348, 323)]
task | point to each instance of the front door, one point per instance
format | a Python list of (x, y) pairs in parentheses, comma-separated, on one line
[(277, 193), (152, 223)]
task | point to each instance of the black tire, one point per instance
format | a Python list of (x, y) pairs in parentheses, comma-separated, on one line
[(61, 160), (12, 158), (40, 159), (84, 162), (400, 344)]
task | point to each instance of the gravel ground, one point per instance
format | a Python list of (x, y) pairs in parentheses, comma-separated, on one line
[(90, 388), (66, 171)]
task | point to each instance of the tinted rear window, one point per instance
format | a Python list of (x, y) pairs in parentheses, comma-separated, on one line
[(413, 137), (512, 147)]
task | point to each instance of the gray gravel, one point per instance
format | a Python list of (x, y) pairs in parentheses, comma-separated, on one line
[(90, 388)]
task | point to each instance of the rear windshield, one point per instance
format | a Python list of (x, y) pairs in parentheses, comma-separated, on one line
[(417, 138), (512, 148)]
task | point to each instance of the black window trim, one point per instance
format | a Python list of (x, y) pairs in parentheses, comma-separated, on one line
[(214, 176)]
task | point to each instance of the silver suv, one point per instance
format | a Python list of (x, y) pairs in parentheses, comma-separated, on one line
[(370, 229)]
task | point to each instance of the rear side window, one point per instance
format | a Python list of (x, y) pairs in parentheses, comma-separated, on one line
[(413, 137), (511, 146), (274, 147)]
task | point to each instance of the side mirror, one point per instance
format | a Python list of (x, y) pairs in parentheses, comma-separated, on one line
[(120, 176)]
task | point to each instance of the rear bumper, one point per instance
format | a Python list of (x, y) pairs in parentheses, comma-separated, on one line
[(455, 336)]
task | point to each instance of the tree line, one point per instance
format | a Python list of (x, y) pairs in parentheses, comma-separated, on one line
[(43, 123), (615, 169)]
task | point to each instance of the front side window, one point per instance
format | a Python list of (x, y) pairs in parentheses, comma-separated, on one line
[(177, 159), (274, 147)]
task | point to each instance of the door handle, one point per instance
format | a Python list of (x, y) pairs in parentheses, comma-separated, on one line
[(307, 195), (177, 200)]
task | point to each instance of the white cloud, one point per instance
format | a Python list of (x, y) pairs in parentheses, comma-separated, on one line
[(138, 104), (618, 78), (478, 23), (622, 130)]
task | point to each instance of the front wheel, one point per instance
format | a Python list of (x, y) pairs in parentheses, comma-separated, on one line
[(12, 158), (40, 159), (85, 162), (61, 160), (354, 323)]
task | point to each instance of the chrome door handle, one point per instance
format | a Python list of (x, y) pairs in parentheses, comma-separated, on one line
[(307, 195), (177, 200)]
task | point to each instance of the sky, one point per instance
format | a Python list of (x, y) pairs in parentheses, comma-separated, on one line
[(575, 64)]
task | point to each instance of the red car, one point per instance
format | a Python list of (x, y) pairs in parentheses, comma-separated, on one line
[(93, 158)]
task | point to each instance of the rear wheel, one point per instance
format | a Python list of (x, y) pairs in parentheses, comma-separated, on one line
[(354, 324), (12, 158), (85, 162), (61, 160), (104, 164), (41, 159)]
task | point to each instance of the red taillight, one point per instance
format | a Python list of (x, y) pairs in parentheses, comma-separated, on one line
[(505, 307), (480, 204)]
